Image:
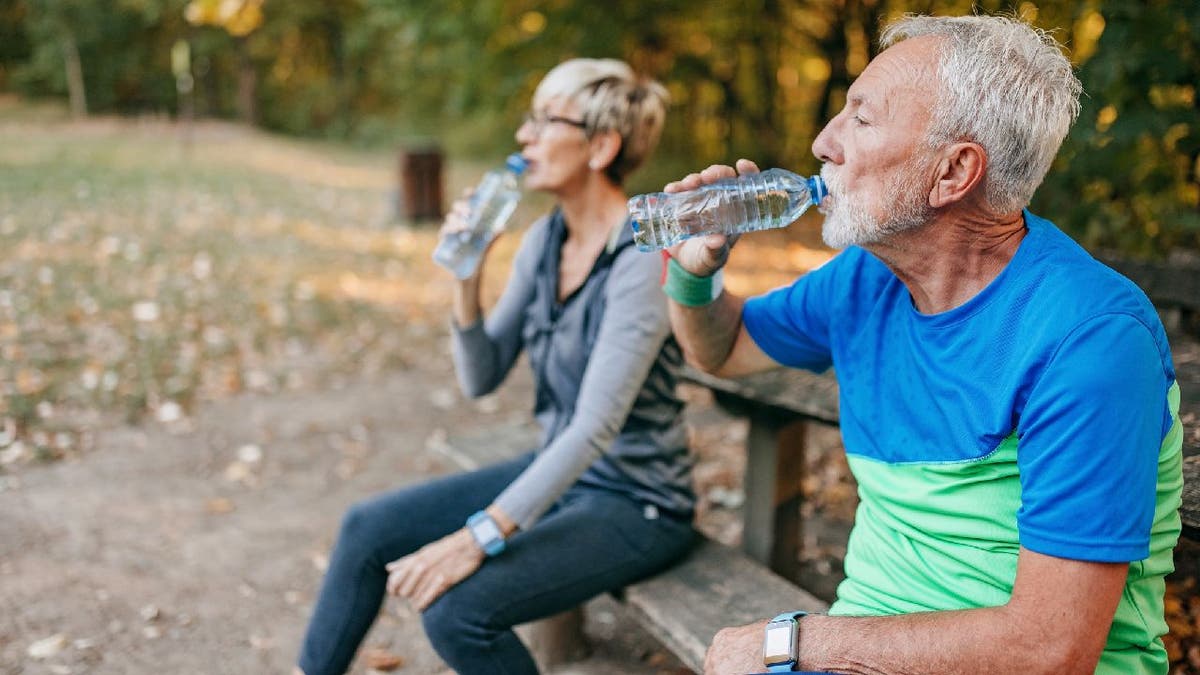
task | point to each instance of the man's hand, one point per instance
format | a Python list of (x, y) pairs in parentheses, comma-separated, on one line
[(736, 651), (423, 576), (703, 256)]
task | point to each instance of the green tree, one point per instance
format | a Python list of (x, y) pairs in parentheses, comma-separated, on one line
[(107, 56), (1127, 176)]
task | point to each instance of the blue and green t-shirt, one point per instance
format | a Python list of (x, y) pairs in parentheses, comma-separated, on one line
[(1042, 413)]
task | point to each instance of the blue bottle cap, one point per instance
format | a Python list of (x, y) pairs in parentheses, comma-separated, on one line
[(816, 189), (516, 163)]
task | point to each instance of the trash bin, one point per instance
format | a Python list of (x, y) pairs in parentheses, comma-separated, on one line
[(421, 183)]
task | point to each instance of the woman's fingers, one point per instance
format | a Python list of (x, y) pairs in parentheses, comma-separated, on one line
[(411, 580), (393, 581), (457, 218), (430, 591), (405, 574), (398, 572)]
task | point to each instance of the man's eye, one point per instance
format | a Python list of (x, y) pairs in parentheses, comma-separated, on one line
[(860, 121)]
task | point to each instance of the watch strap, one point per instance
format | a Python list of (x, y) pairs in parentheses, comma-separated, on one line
[(795, 614)]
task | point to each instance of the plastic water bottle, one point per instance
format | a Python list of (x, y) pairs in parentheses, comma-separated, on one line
[(751, 202), (492, 202)]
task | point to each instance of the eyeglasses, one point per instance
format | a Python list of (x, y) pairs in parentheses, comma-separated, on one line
[(538, 122)]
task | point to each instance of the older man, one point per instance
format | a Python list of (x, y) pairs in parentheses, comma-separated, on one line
[(1008, 404)]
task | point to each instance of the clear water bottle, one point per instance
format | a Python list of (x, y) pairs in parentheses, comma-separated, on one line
[(492, 202), (751, 202)]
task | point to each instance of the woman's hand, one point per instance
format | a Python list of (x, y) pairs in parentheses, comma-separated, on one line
[(423, 576), (703, 256), (457, 218), (457, 222)]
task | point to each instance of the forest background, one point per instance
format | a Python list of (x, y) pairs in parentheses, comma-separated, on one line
[(754, 78)]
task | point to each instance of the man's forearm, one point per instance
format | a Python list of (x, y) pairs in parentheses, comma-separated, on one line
[(989, 640), (708, 333)]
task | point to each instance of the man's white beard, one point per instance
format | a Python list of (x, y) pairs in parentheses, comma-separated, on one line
[(848, 221)]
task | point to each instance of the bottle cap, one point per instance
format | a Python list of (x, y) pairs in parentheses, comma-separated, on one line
[(817, 189), (516, 163)]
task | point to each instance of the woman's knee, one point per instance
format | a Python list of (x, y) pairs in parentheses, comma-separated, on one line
[(456, 622), (362, 530)]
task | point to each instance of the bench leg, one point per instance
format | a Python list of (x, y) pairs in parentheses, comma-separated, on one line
[(774, 470), (556, 639)]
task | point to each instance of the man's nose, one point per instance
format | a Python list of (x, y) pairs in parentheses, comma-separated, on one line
[(825, 146)]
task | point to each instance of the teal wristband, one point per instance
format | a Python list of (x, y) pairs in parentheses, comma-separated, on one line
[(689, 289)]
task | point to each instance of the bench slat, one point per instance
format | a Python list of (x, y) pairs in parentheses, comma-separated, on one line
[(1190, 511), (1169, 284), (791, 392), (714, 587)]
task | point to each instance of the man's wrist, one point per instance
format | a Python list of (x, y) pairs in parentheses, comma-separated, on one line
[(688, 289), (781, 642)]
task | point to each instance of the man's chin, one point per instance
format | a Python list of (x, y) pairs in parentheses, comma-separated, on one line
[(836, 233)]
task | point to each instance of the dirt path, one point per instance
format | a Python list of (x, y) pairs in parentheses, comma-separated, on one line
[(174, 551)]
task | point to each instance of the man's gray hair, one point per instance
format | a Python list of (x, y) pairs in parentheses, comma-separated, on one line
[(1004, 85)]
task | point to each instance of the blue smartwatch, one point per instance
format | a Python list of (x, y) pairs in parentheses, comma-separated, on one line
[(781, 642), (486, 532)]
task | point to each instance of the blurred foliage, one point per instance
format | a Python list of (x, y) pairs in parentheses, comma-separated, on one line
[(754, 78), (239, 17), (1127, 178)]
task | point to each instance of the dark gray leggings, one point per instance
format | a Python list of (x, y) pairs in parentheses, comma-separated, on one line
[(590, 542)]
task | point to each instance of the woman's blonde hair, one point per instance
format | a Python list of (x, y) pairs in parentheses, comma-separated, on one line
[(612, 98)]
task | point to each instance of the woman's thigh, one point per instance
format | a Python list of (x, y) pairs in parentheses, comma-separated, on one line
[(592, 542), (396, 523)]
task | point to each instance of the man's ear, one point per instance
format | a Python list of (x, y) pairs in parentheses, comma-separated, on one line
[(959, 172), (604, 147)]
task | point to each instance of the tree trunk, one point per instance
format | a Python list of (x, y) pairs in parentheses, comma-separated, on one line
[(764, 31), (74, 71), (335, 36), (247, 90), (834, 46)]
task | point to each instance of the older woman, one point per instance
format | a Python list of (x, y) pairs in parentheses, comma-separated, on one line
[(605, 500)]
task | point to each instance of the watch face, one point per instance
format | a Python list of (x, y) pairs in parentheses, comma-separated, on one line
[(485, 530), (779, 645)]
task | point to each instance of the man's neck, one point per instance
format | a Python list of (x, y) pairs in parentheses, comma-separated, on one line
[(951, 259)]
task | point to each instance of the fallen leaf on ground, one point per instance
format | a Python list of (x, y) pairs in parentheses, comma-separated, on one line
[(219, 506), (47, 647), (382, 659)]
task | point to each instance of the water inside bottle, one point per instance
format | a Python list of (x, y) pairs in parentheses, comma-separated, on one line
[(774, 198)]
